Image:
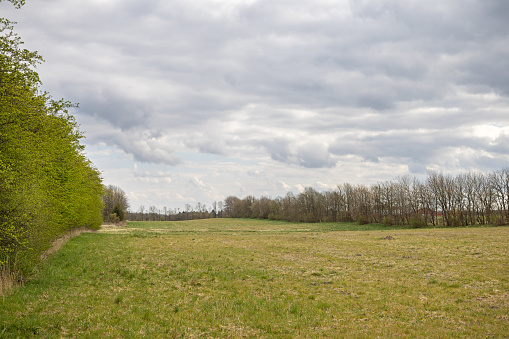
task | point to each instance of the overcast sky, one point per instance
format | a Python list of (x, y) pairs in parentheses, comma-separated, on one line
[(191, 101)]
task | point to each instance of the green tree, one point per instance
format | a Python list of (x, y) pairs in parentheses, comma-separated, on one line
[(47, 186), (17, 3)]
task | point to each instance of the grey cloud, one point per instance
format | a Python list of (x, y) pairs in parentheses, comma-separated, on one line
[(205, 144), (288, 73), (419, 149), (484, 163), (279, 150), (308, 154), (115, 108), (227, 78), (488, 69), (146, 147), (314, 156), (500, 144)]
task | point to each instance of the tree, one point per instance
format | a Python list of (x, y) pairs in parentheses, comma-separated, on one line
[(141, 211), (16, 3), (47, 185), (500, 184), (231, 207), (441, 199), (214, 209), (220, 209), (115, 204)]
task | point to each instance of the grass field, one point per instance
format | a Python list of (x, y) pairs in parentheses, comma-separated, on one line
[(249, 278)]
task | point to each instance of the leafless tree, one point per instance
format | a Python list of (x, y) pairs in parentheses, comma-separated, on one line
[(115, 204)]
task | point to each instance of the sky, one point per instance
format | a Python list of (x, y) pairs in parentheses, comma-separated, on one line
[(192, 101)]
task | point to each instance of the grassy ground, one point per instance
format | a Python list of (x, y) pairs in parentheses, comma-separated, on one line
[(248, 278)]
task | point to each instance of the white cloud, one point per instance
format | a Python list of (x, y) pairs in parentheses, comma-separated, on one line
[(325, 186), (299, 188), (284, 186)]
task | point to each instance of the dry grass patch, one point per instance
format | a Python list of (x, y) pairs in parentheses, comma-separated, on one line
[(61, 241), (7, 280)]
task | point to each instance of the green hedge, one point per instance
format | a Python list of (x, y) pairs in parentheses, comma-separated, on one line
[(47, 185)]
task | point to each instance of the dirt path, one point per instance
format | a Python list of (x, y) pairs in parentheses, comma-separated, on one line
[(58, 243)]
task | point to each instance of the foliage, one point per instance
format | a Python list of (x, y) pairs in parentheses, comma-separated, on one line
[(417, 221), (47, 186), (362, 220), (119, 212), (388, 221), (16, 3)]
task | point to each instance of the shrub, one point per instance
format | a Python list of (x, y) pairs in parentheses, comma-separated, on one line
[(362, 220), (113, 218), (119, 212), (454, 221), (388, 220), (417, 222), (498, 220)]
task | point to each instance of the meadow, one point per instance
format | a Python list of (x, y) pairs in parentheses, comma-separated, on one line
[(234, 278)]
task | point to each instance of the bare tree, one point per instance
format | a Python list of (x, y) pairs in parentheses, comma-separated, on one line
[(115, 204), (142, 211), (220, 208), (441, 199), (214, 209), (500, 184)]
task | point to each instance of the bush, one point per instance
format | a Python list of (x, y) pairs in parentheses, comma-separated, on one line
[(114, 218), (498, 220), (454, 221), (417, 222), (119, 212), (388, 220), (362, 220)]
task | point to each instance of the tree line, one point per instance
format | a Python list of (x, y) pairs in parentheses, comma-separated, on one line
[(200, 211), (439, 200), (47, 185)]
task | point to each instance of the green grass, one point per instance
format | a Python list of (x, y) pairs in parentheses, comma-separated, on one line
[(244, 226), (252, 278)]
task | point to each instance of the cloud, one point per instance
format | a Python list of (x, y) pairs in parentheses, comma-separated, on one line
[(283, 185), (195, 181), (147, 147), (153, 177), (306, 87), (323, 186), (306, 152), (299, 188)]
